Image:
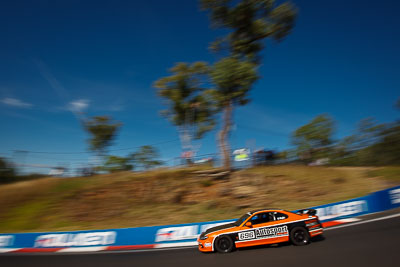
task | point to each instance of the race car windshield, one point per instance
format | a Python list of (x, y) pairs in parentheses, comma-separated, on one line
[(242, 219)]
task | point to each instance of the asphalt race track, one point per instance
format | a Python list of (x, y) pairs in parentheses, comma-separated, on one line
[(370, 244)]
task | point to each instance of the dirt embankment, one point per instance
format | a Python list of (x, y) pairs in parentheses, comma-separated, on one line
[(174, 196)]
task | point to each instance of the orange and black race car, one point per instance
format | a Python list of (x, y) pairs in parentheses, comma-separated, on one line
[(262, 227)]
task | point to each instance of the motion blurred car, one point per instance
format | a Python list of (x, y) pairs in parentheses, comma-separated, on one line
[(260, 227)]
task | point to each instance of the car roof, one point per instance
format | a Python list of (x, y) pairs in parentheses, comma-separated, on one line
[(258, 210)]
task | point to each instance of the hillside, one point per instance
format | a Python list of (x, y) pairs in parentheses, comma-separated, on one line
[(128, 199)]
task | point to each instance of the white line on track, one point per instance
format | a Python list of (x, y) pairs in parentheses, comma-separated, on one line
[(178, 244), (362, 222), (129, 251), (79, 249), (6, 250)]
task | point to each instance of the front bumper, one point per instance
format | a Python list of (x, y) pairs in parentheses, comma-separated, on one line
[(205, 245)]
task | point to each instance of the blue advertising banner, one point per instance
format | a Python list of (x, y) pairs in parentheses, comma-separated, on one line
[(110, 237), (374, 202), (344, 209)]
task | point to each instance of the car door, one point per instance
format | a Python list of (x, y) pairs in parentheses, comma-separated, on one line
[(266, 229), (272, 227), (248, 237)]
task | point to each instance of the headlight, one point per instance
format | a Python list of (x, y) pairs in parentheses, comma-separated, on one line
[(203, 237)]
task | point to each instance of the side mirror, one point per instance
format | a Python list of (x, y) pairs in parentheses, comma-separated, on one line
[(249, 224)]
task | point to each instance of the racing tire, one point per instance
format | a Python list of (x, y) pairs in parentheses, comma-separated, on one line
[(299, 236), (224, 244)]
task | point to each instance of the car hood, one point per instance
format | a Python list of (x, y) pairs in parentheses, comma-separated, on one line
[(217, 228)]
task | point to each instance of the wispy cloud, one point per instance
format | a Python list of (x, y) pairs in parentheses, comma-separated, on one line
[(14, 102), (115, 108), (78, 106), (53, 82), (75, 106)]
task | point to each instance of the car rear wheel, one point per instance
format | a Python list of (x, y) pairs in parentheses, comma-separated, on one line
[(299, 236), (224, 244)]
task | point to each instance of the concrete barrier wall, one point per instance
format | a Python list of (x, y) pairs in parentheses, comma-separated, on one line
[(175, 235)]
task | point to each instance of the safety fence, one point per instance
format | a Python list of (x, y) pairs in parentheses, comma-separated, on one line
[(174, 235), (69, 165)]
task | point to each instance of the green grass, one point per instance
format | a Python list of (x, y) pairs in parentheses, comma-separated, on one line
[(391, 174), (176, 196), (24, 217)]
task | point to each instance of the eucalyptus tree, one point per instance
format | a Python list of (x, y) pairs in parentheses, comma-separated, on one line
[(233, 79), (189, 107), (102, 130), (249, 23), (146, 157), (7, 171), (117, 163), (313, 140)]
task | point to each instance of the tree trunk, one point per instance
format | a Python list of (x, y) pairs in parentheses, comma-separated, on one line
[(223, 136), (186, 144)]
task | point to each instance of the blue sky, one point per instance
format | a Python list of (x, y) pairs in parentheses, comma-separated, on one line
[(101, 57)]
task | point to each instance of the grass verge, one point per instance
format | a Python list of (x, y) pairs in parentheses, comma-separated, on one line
[(163, 197)]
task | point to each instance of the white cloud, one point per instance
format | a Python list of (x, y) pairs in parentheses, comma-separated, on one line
[(14, 102), (78, 105)]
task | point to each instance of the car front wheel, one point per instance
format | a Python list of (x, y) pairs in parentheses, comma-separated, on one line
[(224, 244)]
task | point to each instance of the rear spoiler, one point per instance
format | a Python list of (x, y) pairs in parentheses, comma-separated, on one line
[(311, 212)]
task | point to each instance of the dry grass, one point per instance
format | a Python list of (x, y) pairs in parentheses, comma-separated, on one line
[(172, 196)]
